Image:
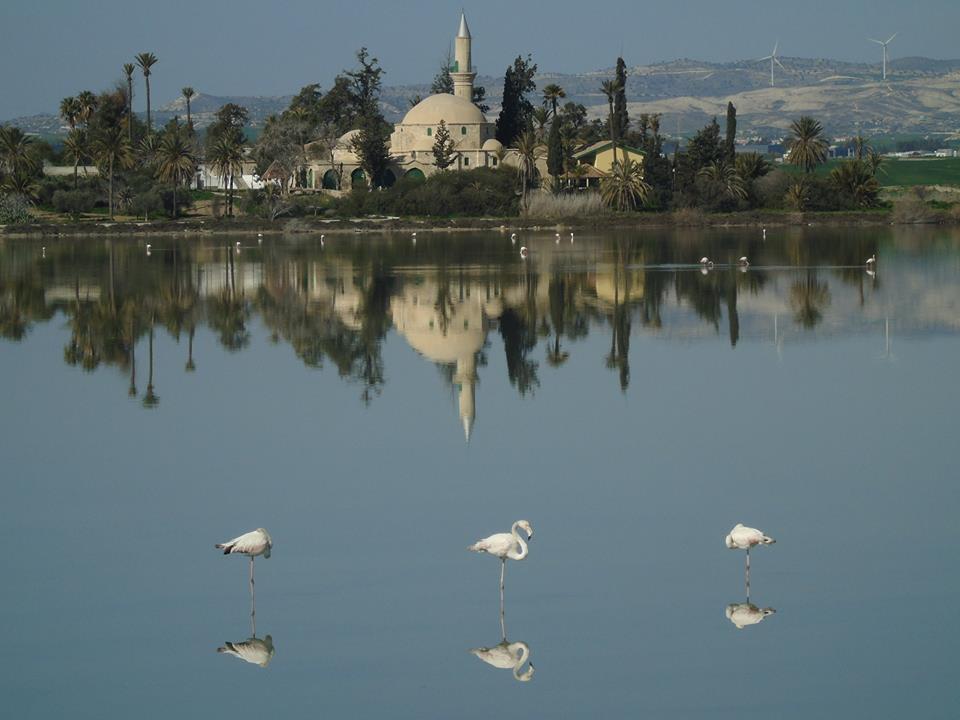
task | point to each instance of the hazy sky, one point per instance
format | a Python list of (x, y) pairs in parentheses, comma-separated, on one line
[(54, 48)]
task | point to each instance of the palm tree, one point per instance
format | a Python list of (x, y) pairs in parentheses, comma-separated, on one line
[(541, 117), (726, 176), (751, 166), (552, 94), (861, 146), (624, 188), (854, 179), (875, 162), (798, 194), (188, 92), (128, 70), (16, 152), (807, 146), (113, 149), (146, 61), (87, 102), (20, 183), (611, 88), (176, 161), (70, 111), (226, 159), (76, 147), (809, 296), (528, 150)]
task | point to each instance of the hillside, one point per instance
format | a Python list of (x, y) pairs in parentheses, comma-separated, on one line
[(920, 97)]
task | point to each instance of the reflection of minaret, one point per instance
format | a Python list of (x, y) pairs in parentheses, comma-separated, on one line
[(465, 379), (462, 72)]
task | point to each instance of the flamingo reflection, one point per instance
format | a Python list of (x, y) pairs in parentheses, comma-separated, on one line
[(746, 613), (253, 650), (507, 655)]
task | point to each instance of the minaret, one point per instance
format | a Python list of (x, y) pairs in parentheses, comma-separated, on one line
[(462, 71)]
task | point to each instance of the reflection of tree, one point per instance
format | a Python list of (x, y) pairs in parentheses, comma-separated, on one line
[(150, 399), (619, 356), (82, 349), (565, 317), (21, 302), (809, 297)]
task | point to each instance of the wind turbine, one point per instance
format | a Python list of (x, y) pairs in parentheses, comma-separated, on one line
[(884, 45), (772, 57)]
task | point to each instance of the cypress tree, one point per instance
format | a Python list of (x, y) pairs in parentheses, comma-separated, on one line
[(516, 109), (555, 153), (731, 152), (443, 149), (620, 115)]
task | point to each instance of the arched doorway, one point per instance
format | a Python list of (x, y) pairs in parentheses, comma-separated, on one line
[(415, 174), (389, 178), (358, 179), (310, 178), (330, 180)]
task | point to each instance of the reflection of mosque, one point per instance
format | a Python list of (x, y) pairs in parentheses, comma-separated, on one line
[(447, 323)]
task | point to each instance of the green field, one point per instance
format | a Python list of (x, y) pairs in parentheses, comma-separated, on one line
[(897, 172)]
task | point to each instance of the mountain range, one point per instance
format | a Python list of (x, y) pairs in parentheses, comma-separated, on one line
[(921, 96)]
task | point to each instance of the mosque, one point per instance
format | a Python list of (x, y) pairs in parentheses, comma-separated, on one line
[(411, 143)]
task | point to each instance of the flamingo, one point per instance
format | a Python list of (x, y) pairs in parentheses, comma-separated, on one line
[(558, 238), (256, 542), (513, 238), (43, 251), (148, 249), (523, 252), (571, 237), (746, 613), (871, 261), (507, 656), (744, 538), (504, 545), (706, 262), (743, 262), (238, 247), (253, 650), (764, 233)]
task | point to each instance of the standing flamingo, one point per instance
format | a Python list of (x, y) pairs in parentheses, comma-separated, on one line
[(256, 542), (504, 545), (744, 538)]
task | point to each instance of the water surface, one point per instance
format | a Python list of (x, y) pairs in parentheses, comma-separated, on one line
[(379, 405)]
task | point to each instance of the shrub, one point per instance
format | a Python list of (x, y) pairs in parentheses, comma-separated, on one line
[(689, 217), (14, 210), (913, 209), (770, 189), (74, 202), (565, 205), (147, 203)]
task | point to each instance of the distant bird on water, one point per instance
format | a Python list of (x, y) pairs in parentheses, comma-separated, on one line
[(506, 545), (513, 238), (523, 251), (706, 262), (871, 262), (253, 650), (743, 262)]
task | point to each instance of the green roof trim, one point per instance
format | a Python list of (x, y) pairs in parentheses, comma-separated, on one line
[(599, 147)]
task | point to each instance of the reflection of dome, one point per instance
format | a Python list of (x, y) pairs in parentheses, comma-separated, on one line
[(449, 108), (492, 145)]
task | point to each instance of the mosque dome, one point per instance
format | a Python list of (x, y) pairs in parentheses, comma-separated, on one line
[(492, 145), (451, 109)]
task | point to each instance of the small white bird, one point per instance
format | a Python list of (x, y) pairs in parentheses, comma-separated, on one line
[(506, 545), (706, 262), (43, 251), (743, 262), (743, 614), (148, 249), (259, 235), (571, 237), (558, 238), (871, 261), (764, 233), (513, 238), (523, 251), (322, 243), (253, 650), (507, 656), (744, 538)]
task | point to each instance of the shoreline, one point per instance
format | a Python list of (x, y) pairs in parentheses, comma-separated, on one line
[(369, 225)]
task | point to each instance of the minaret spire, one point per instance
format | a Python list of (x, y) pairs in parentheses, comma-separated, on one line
[(463, 72)]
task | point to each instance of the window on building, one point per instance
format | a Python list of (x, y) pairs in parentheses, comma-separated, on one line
[(466, 161), (463, 130), (429, 131), (494, 162)]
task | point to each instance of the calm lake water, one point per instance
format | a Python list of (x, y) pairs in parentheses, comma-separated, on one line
[(380, 405)]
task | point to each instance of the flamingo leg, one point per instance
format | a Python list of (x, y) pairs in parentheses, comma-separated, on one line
[(253, 602), (503, 567), (503, 625), (747, 575)]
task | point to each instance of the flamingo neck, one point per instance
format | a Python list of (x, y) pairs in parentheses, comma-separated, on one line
[(520, 661), (513, 554)]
